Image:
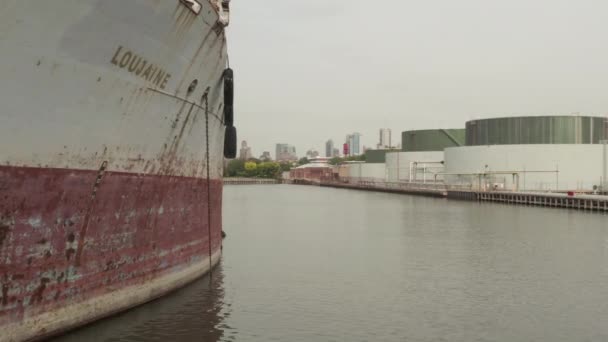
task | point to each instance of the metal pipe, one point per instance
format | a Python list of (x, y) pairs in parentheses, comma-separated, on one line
[(604, 167), (424, 174)]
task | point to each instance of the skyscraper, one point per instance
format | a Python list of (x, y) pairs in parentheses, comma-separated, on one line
[(286, 152), (385, 138), (245, 152), (354, 141), (312, 153), (329, 148), (265, 156)]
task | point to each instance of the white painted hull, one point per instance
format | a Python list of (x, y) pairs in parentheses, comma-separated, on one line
[(110, 167)]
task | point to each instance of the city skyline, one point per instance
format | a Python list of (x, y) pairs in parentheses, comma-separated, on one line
[(409, 72)]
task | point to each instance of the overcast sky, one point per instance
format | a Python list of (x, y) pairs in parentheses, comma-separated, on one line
[(310, 70)]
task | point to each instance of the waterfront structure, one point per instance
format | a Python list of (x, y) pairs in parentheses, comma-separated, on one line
[(329, 148), (532, 153), (529, 130), (245, 152), (316, 170), (431, 139), (422, 157), (356, 171), (377, 156), (385, 141), (111, 151), (285, 152)]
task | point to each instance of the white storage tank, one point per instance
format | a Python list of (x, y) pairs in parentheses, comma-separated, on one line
[(414, 166), (535, 167)]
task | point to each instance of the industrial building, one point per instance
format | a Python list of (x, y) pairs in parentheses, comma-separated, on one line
[(355, 171), (421, 158), (531, 153)]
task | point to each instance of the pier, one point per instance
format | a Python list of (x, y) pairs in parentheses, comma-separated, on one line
[(555, 200), (420, 189), (249, 181), (571, 200)]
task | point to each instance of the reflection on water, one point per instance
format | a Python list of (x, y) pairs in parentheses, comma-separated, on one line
[(312, 264), (195, 313)]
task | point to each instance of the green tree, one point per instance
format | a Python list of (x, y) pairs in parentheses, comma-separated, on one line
[(285, 166), (251, 169), (303, 161), (268, 170), (336, 160), (235, 168)]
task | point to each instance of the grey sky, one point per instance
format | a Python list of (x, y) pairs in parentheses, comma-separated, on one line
[(310, 70)]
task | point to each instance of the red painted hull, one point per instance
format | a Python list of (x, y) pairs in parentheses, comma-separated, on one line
[(69, 236)]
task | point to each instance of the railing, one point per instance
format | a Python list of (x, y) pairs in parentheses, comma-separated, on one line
[(247, 181), (381, 184)]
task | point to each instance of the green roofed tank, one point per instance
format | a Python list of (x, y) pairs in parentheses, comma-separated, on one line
[(537, 130), (431, 139), (377, 156)]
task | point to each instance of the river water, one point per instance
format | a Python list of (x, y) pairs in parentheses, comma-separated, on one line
[(318, 264)]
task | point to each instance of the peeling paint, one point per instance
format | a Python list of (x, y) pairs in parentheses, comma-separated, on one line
[(100, 218), (34, 222)]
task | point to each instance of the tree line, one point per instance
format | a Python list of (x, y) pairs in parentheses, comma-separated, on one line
[(255, 168)]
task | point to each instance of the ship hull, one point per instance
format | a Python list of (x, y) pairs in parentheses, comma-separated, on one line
[(110, 157)]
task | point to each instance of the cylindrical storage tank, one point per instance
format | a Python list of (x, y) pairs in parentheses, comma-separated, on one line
[(431, 139), (534, 167), (373, 172), (422, 165), (537, 130), (343, 171), (354, 170)]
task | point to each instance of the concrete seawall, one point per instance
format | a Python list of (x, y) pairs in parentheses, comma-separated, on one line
[(541, 199)]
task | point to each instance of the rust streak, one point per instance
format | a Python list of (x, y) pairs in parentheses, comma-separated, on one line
[(37, 296), (4, 228), (4, 294), (87, 217)]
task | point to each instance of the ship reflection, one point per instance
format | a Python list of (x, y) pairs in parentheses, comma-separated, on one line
[(194, 313)]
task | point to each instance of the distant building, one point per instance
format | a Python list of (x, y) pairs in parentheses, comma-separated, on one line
[(329, 148), (355, 149), (345, 150), (336, 152), (385, 141), (245, 152), (353, 141), (312, 153), (316, 170), (346, 146), (285, 152), (266, 156)]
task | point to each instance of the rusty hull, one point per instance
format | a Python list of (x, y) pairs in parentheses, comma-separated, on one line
[(108, 198)]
